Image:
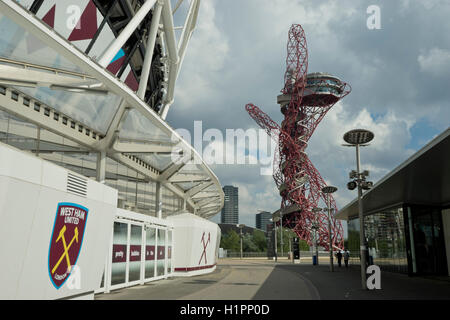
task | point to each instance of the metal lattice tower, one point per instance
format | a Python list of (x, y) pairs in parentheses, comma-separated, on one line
[(305, 100)]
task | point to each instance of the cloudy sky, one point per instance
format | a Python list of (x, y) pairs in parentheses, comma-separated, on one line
[(400, 76)]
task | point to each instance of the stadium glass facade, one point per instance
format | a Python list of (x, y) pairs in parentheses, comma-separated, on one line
[(90, 119)]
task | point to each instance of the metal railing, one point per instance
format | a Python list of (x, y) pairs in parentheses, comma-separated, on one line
[(303, 254), (57, 71)]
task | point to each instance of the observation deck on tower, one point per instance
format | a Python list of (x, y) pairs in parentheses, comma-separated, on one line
[(322, 89)]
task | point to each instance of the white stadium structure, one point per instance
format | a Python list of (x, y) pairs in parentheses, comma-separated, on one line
[(98, 192)]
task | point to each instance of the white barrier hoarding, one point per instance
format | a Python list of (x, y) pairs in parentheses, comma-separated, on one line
[(196, 244), (55, 229)]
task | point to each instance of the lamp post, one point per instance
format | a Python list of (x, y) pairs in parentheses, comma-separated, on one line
[(359, 138), (275, 237), (241, 226), (281, 234), (275, 218), (316, 234), (329, 190)]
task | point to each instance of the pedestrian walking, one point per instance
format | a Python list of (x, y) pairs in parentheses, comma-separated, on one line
[(346, 257), (339, 258)]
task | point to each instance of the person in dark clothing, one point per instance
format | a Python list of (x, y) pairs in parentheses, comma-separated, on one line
[(367, 257), (346, 257), (339, 257)]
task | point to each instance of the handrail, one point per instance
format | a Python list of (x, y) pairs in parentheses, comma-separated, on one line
[(39, 67)]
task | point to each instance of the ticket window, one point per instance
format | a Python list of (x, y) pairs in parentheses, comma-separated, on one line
[(160, 252), (169, 251), (134, 268), (119, 254), (150, 252)]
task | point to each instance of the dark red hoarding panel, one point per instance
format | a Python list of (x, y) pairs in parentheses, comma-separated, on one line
[(149, 253), (119, 253), (135, 252)]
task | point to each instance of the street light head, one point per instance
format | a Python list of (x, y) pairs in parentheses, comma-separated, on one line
[(329, 189), (276, 216), (316, 210), (353, 174), (351, 185), (367, 185), (358, 136)]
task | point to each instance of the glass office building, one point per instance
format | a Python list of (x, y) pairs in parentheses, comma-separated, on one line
[(230, 210), (262, 219)]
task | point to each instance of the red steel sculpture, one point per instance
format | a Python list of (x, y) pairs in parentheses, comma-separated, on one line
[(305, 100)]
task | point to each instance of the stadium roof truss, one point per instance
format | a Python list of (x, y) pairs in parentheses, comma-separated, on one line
[(80, 100)]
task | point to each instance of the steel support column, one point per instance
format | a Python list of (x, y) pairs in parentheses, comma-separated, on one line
[(158, 200), (126, 33), (101, 167), (149, 50)]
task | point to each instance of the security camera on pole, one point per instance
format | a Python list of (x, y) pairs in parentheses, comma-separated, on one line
[(360, 138)]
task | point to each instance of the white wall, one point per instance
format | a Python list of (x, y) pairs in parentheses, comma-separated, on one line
[(30, 191), (196, 242)]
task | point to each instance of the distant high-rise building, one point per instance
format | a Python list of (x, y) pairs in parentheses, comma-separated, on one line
[(262, 220), (230, 210)]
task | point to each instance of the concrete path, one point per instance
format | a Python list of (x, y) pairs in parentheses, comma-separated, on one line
[(262, 279), (234, 279), (345, 284)]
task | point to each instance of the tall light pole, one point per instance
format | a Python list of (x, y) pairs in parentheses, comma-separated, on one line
[(275, 237), (281, 234), (241, 226), (328, 190), (316, 234), (275, 218), (357, 138)]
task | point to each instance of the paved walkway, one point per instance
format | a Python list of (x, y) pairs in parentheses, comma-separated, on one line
[(234, 279), (345, 284), (262, 279)]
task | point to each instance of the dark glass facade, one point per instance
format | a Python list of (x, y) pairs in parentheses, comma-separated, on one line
[(385, 236), (406, 239), (262, 220), (426, 248)]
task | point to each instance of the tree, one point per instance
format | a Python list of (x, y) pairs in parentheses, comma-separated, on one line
[(230, 241), (259, 239), (247, 243), (303, 245), (288, 235)]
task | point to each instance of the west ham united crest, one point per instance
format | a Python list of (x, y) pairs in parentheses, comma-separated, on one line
[(66, 241)]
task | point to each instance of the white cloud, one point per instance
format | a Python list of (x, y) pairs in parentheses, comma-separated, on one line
[(309, 13), (334, 161), (262, 195), (436, 62), (237, 55), (205, 58)]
